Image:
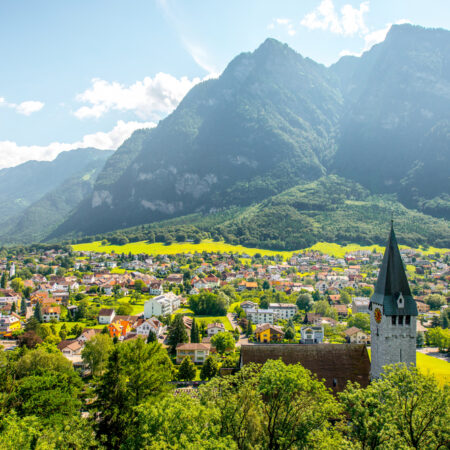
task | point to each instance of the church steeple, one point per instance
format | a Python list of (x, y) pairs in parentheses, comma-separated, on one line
[(392, 289)]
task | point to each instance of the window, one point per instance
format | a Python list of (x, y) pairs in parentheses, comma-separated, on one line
[(400, 320), (394, 320), (407, 320)]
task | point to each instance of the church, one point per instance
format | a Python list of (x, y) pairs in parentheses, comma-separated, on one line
[(393, 314)]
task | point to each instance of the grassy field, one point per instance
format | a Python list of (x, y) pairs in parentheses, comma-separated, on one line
[(432, 366), (205, 319), (210, 246)]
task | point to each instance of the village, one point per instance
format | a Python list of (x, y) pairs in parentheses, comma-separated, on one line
[(223, 300)]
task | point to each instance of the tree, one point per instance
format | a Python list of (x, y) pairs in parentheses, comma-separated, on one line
[(38, 312), (296, 405), (360, 320), (139, 285), (210, 368), (177, 332), (29, 339), (135, 372), (439, 337), (96, 352), (4, 280), (346, 299), (435, 301), (249, 330), (404, 408), (17, 284), (195, 335), (23, 307), (223, 341), (209, 304), (187, 370), (13, 307), (289, 333), (266, 285), (151, 337), (125, 309), (305, 302), (264, 303)]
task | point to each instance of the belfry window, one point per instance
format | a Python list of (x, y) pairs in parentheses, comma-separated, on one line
[(407, 320), (394, 320), (400, 320)]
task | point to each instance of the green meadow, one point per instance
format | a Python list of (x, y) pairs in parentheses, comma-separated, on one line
[(210, 246)]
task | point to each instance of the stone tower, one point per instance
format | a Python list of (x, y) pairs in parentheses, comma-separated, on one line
[(393, 313)]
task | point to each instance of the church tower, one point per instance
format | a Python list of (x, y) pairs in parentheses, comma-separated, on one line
[(393, 313)]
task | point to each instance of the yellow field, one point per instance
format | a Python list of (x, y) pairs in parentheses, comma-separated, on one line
[(210, 246)]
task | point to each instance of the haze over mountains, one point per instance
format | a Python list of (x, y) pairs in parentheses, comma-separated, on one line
[(272, 122)]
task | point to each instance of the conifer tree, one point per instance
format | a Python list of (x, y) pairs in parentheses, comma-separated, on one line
[(187, 370), (151, 337), (13, 307), (195, 336), (209, 369), (249, 330), (177, 332), (4, 280), (38, 312), (23, 307)]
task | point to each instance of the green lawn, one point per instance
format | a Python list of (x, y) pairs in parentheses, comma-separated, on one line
[(206, 319), (212, 247)]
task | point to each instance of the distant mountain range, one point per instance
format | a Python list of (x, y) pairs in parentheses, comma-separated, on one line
[(280, 134)]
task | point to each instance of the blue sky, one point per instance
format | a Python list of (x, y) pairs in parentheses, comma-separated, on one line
[(78, 73)]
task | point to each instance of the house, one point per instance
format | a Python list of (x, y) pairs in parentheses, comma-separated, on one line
[(354, 335), (267, 332), (9, 324), (106, 316), (360, 305), (311, 335), (422, 307), (214, 328), (337, 364), (284, 310), (51, 312), (144, 326), (248, 304), (155, 288), (260, 316), (87, 334), (197, 352), (162, 305), (119, 329), (72, 349), (341, 310), (176, 278)]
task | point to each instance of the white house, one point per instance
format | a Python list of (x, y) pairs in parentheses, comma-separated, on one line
[(51, 312), (106, 316), (214, 328), (311, 335), (284, 310), (260, 316), (360, 305), (143, 327), (162, 305), (197, 352)]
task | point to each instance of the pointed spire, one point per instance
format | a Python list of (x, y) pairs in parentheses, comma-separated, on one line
[(392, 281)]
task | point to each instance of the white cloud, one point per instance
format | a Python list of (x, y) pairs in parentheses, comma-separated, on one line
[(12, 154), (285, 23), (374, 37), (349, 22), (148, 98), (25, 108), (29, 107)]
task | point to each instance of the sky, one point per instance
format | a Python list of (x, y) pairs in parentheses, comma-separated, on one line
[(87, 73)]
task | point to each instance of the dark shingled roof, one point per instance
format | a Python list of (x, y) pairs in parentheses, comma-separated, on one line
[(392, 282), (335, 363)]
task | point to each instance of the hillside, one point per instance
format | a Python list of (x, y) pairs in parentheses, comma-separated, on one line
[(330, 209), (40, 217)]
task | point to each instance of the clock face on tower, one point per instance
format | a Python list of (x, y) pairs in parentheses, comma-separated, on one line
[(377, 314)]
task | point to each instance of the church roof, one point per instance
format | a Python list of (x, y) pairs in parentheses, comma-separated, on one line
[(392, 283)]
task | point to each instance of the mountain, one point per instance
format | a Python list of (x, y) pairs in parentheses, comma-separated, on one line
[(395, 129), (274, 121), (266, 123), (43, 194)]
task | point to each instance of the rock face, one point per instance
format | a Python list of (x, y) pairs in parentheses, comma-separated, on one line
[(274, 120)]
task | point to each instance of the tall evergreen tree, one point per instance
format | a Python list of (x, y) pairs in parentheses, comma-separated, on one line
[(38, 312), (151, 337), (195, 335), (249, 330), (4, 280), (23, 307), (177, 332), (13, 307), (187, 369), (209, 369)]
